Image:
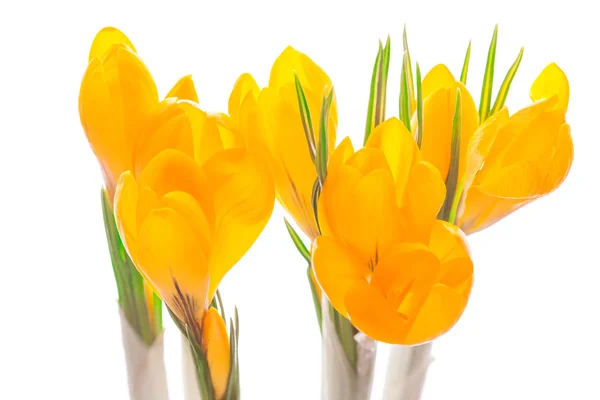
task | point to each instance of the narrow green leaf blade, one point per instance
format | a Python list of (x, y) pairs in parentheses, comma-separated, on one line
[(419, 109), (323, 145), (503, 92), (409, 73), (305, 116), (316, 192), (488, 79), (297, 241), (465, 68), (404, 94), (373, 93), (452, 179), (315, 297)]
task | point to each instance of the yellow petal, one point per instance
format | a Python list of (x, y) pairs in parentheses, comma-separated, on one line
[(244, 86), (441, 311), (116, 97), (244, 197), (288, 154), (438, 78), (405, 275), (372, 227), (425, 194), (480, 145), (372, 314), (551, 81), (169, 257), (400, 150), (184, 89), (449, 244), (438, 114), (215, 344), (125, 207), (105, 39), (167, 128), (174, 171), (336, 268)]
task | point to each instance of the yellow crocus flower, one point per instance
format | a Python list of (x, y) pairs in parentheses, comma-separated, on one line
[(383, 260), (193, 203), (506, 161), (281, 132), (117, 95)]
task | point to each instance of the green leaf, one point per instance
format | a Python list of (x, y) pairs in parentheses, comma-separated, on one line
[(315, 297), (409, 74), (465, 68), (419, 109), (378, 91), (456, 202), (322, 146), (405, 111), (452, 179), (346, 332), (233, 391), (305, 116), (130, 283), (200, 360), (316, 192), (488, 79), (297, 241), (503, 92)]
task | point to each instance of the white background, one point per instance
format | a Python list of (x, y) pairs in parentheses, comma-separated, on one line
[(531, 330)]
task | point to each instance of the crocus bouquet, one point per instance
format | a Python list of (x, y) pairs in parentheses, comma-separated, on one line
[(385, 225)]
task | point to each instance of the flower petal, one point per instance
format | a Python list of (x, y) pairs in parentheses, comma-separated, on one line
[(167, 128), (373, 315), (336, 269), (244, 86), (184, 89), (439, 77), (374, 225), (405, 275), (215, 344), (400, 150), (125, 207), (105, 39), (441, 311), (244, 197), (425, 194), (169, 257), (174, 171), (449, 244), (551, 81)]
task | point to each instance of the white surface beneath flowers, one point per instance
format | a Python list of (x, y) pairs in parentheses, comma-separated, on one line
[(532, 328)]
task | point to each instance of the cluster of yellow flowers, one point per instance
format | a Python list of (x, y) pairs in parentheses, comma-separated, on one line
[(192, 190)]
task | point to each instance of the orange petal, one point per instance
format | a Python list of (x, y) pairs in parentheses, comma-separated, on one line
[(425, 194), (105, 39), (373, 315), (441, 311), (244, 86), (405, 275), (184, 89), (169, 257), (336, 269), (244, 197), (449, 244), (374, 225), (400, 150), (551, 81), (215, 344), (282, 136), (167, 128), (125, 206)]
